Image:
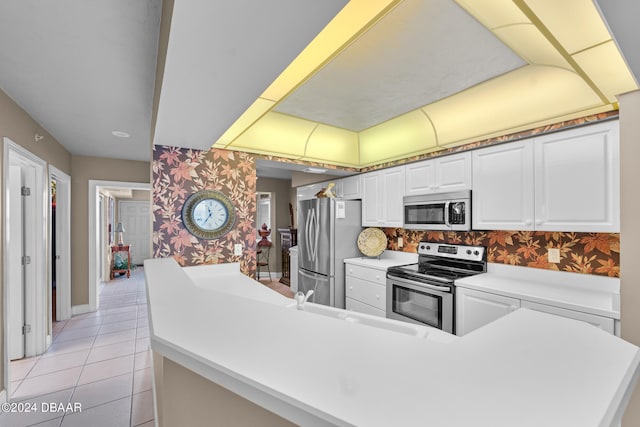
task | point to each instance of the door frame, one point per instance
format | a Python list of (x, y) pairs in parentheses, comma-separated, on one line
[(63, 241), (38, 313), (94, 232)]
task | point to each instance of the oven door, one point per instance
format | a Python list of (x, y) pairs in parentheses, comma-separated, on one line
[(421, 303)]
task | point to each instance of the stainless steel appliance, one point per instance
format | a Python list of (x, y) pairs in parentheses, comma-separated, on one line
[(327, 234), (424, 293), (440, 211)]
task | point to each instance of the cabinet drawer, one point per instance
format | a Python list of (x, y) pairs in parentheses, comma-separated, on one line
[(364, 273), (360, 307), (604, 323), (367, 292)]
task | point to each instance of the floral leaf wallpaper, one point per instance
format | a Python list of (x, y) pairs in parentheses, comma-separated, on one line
[(587, 253), (180, 172)]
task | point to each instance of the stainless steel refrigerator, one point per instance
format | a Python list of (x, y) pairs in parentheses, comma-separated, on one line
[(327, 234)]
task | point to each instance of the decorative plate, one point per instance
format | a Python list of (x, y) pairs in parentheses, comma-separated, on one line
[(372, 241)]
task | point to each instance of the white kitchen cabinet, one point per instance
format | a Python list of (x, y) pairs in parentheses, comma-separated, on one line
[(565, 181), (420, 178), (306, 192), (475, 309), (365, 290), (577, 180), (604, 323), (382, 198), (442, 174), (503, 187), (351, 187)]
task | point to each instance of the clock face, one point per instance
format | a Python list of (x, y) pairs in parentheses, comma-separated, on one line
[(208, 214)]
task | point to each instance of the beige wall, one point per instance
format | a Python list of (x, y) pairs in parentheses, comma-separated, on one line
[(630, 233), (205, 403), (18, 126), (302, 178), (84, 169), (281, 191)]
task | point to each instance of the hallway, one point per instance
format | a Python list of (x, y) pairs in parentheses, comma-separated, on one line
[(99, 362)]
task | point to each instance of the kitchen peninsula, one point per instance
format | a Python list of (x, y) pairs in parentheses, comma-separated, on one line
[(232, 352)]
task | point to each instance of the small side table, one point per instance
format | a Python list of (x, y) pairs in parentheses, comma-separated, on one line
[(114, 250)]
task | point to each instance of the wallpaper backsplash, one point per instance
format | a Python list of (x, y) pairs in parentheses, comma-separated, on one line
[(587, 253), (179, 172)]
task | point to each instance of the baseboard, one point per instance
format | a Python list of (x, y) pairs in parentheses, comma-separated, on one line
[(3, 396), (265, 275), (80, 309)]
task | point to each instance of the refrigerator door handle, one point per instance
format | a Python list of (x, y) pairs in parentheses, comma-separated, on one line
[(313, 276), (312, 233)]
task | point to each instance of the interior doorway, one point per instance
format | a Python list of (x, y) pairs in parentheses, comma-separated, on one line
[(60, 244), (96, 246)]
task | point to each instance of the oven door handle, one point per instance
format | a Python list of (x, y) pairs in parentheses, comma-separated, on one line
[(422, 285)]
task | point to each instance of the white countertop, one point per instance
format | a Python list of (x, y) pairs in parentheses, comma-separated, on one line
[(581, 292), (385, 260), (525, 369)]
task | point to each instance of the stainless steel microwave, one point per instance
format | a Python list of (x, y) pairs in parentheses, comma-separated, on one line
[(439, 211)]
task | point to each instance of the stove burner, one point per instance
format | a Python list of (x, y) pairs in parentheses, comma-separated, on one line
[(443, 266)]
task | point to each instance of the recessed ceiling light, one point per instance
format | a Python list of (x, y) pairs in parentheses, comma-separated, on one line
[(314, 170), (120, 134)]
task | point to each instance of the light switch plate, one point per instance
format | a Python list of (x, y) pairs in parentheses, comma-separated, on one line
[(237, 249), (554, 255), (400, 242)]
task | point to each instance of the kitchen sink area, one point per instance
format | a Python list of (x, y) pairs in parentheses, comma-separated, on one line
[(365, 319)]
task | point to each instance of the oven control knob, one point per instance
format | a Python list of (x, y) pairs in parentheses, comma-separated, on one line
[(428, 247), (468, 251), (476, 252)]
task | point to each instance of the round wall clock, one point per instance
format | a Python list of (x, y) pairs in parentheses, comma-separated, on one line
[(208, 214)]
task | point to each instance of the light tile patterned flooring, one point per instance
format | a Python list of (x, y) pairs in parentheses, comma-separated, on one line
[(99, 360)]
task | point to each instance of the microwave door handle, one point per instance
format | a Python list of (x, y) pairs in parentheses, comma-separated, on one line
[(446, 214)]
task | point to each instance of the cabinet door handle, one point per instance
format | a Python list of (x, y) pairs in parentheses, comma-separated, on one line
[(377, 296), (528, 222), (539, 222)]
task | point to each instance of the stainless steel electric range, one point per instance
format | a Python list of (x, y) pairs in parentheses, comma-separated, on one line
[(424, 292)]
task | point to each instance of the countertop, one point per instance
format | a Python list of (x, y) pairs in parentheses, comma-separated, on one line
[(385, 260), (581, 292), (526, 369)]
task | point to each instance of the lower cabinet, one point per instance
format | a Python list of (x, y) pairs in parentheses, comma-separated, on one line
[(366, 290), (604, 323), (477, 308)]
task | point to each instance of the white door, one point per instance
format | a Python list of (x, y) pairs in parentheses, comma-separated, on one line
[(15, 270), (503, 190), (135, 217)]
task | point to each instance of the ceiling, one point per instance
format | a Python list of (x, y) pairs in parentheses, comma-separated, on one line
[(385, 79)]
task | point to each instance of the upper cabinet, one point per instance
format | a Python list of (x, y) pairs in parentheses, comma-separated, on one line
[(442, 174), (577, 179), (565, 181), (382, 197), (502, 196), (351, 187)]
